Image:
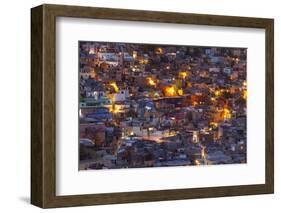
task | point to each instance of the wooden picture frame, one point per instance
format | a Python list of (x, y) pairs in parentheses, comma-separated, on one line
[(43, 105)]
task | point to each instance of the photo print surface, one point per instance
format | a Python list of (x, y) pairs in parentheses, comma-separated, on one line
[(153, 105)]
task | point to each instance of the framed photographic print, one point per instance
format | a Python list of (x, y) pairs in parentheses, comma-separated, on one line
[(136, 106)]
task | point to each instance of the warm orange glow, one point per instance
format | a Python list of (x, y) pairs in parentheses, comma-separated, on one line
[(217, 93), (244, 83), (170, 133), (203, 153), (183, 74), (197, 162), (180, 91), (151, 81), (194, 103), (159, 50), (143, 61), (214, 124), (244, 94), (115, 108), (170, 91), (135, 54), (115, 87), (189, 84), (195, 137), (226, 113)]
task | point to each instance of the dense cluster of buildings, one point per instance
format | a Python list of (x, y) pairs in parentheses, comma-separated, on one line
[(158, 105)]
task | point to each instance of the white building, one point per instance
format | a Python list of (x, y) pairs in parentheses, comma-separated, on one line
[(121, 95)]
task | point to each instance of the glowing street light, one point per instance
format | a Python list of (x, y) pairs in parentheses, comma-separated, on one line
[(226, 113), (170, 91), (183, 74), (115, 87), (151, 81)]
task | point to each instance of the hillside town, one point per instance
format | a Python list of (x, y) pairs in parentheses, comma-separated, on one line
[(147, 105)]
